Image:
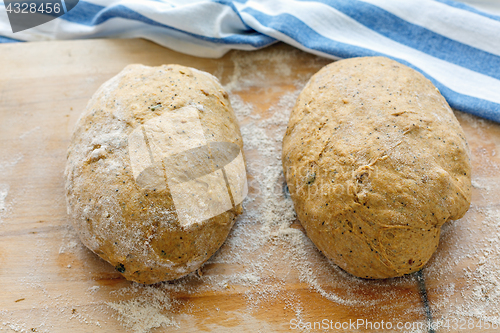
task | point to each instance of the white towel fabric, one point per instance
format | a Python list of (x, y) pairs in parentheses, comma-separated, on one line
[(455, 45)]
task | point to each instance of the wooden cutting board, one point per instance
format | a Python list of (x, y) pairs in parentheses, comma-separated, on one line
[(268, 276)]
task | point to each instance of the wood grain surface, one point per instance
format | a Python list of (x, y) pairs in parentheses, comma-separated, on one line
[(49, 282)]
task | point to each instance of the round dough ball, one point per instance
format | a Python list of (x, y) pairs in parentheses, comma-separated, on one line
[(155, 172), (375, 162)]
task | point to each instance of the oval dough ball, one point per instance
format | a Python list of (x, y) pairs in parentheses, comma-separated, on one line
[(155, 172), (375, 162)]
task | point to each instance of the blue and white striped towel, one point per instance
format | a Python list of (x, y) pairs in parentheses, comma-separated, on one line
[(456, 46)]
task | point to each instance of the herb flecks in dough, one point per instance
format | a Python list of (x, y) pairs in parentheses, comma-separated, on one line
[(389, 158)]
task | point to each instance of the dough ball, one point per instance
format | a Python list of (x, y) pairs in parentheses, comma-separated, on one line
[(376, 163), (155, 172)]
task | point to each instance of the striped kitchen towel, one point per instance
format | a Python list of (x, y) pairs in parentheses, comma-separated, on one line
[(454, 45)]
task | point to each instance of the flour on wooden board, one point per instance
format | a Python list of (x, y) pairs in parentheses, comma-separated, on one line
[(6, 168), (475, 241), (267, 220), (269, 217), (146, 312), (4, 190), (267, 234)]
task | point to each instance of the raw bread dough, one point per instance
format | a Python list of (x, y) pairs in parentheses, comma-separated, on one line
[(155, 172), (375, 162)]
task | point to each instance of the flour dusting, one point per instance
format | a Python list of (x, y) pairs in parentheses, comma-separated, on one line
[(6, 168), (464, 272), (141, 314), (4, 190)]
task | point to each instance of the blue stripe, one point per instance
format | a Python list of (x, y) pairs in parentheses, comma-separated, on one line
[(418, 38), (4, 39), (86, 13), (230, 3), (91, 15), (472, 105), (463, 6), (64, 6), (302, 33)]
